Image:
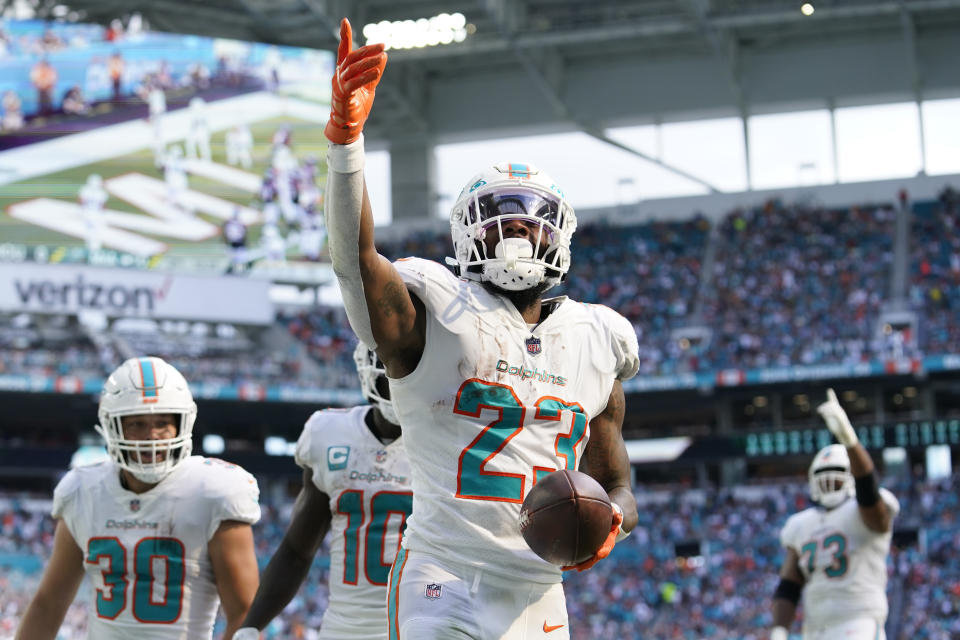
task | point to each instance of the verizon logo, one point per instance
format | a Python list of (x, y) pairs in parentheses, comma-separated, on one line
[(90, 295)]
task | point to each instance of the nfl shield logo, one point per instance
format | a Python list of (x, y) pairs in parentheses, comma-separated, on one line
[(533, 345), (433, 591), (381, 455), (135, 505)]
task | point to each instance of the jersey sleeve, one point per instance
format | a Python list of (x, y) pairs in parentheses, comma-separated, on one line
[(309, 454), (788, 534), (620, 349), (431, 282), (234, 495), (892, 503), (65, 500)]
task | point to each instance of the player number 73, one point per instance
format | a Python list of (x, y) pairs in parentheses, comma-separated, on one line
[(474, 481)]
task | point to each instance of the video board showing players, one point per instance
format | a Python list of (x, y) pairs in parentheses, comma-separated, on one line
[(124, 147)]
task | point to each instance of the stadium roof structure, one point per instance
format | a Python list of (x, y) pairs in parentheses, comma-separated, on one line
[(536, 66)]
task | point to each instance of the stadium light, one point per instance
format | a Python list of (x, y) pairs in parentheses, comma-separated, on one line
[(807, 9), (213, 444), (277, 446), (414, 34)]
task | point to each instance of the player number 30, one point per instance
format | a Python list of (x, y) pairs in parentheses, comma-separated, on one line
[(147, 555)]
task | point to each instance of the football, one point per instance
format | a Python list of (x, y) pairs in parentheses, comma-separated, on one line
[(566, 517)]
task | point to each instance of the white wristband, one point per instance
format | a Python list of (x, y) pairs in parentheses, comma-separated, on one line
[(346, 158), (779, 633), (246, 633)]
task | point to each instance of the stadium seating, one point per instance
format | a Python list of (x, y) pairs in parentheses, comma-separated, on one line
[(798, 285), (775, 286), (935, 272)]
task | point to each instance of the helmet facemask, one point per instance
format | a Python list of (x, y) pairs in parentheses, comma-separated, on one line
[(370, 370), (495, 199), (149, 461), (830, 480), (147, 386)]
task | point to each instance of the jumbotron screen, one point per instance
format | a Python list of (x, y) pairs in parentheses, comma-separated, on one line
[(131, 148)]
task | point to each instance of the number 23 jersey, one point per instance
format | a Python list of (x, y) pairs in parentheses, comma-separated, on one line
[(146, 554), (493, 405)]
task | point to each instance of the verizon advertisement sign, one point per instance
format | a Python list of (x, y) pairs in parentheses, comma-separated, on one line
[(132, 293)]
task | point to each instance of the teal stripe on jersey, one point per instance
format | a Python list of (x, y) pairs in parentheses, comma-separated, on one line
[(393, 593)]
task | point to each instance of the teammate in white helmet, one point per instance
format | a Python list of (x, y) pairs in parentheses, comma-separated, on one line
[(494, 385), (837, 550), (356, 484), (164, 537)]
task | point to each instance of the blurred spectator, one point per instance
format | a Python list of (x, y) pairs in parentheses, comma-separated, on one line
[(44, 78), (74, 103), (50, 41), (115, 68), (12, 115), (114, 32)]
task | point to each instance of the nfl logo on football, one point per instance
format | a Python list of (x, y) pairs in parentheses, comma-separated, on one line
[(135, 505), (533, 345), (433, 591)]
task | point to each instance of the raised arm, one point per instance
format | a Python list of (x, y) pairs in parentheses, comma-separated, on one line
[(291, 561), (605, 460), (874, 512), (381, 311), (59, 585), (786, 596)]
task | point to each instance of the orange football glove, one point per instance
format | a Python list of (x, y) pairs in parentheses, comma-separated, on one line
[(605, 548), (354, 83)]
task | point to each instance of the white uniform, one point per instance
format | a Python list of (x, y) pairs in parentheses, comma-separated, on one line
[(369, 488), (92, 199), (492, 406), (845, 567), (157, 104), (146, 554)]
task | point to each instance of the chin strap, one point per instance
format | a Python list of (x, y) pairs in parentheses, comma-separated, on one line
[(344, 199)]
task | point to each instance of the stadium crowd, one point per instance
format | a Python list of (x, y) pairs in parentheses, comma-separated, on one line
[(787, 285), (935, 272), (704, 567), (798, 285)]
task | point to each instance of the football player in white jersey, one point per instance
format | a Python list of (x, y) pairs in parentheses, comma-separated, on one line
[(356, 484), (494, 385), (163, 536), (837, 550)]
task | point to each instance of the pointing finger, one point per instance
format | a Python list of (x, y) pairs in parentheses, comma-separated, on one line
[(346, 40)]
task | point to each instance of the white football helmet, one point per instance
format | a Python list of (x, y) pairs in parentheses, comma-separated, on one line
[(144, 386), (831, 481), (504, 192), (369, 368)]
